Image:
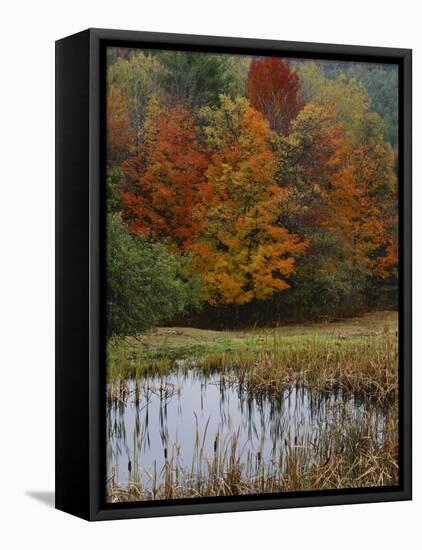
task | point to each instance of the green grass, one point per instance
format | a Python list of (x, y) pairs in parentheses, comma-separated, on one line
[(185, 339), (358, 354)]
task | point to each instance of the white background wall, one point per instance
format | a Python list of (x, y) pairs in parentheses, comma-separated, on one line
[(28, 31)]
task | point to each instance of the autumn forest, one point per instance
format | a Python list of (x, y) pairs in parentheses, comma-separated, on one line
[(271, 185), (252, 243)]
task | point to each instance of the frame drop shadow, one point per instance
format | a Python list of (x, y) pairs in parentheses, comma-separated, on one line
[(45, 497)]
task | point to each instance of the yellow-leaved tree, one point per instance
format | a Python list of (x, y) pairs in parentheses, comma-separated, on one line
[(243, 253)]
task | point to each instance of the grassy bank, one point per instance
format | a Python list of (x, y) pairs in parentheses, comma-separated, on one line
[(357, 355)]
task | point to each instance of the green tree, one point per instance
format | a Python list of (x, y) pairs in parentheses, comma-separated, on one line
[(238, 68), (381, 84), (114, 189), (146, 284), (383, 89), (194, 79)]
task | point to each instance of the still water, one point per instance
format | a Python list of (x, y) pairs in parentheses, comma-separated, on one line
[(189, 417)]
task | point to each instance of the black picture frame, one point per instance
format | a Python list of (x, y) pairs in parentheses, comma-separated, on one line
[(80, 314)]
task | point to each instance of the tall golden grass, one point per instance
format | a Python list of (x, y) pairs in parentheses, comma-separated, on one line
[(366, 365), (346, 455)]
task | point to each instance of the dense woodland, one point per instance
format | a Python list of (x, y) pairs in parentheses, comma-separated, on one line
[(248, 190)]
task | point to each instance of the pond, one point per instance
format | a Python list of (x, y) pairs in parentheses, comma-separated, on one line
[(193, 422)]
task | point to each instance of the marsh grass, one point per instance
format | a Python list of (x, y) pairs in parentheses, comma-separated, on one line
[(367, 364), (349, 454), (358, 357)]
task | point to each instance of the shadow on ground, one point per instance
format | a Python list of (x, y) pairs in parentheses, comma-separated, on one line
[(45, 497)]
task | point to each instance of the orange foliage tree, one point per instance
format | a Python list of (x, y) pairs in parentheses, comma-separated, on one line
[(341, 199), (309, 160), (372, 232), (243, 254), (166, 191), (342, 188), (273, 90)]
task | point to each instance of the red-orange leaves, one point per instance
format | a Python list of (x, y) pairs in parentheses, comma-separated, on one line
[(167, 191), (273, 90)]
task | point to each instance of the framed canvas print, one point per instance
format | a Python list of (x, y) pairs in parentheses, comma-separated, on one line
[(233, 323)]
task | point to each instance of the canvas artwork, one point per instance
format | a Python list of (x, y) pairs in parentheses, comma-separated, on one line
[(251, 275)]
